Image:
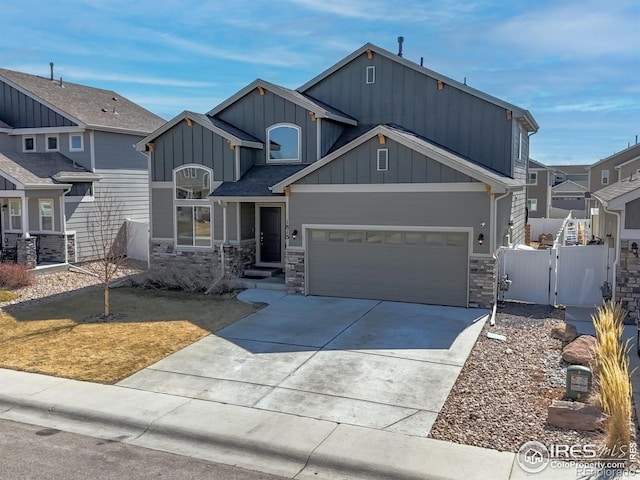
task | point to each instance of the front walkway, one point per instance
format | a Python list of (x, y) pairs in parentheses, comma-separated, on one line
[(383, 365)]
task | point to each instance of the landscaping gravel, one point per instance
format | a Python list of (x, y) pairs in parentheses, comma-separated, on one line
[(501, 397), (62, 283)]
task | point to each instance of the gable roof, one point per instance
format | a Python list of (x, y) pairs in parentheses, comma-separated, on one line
[(42, 170), (87, 106), (617, 194), (533, 164), (225, 130), (568, 186), (497, 181), (321, 110), (524, 115), (633, 150)]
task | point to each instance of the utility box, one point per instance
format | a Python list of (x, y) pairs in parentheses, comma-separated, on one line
[(578, 382)]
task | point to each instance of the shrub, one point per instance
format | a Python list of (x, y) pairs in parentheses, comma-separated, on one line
[(7, 296), (612, 367), (15, 275)]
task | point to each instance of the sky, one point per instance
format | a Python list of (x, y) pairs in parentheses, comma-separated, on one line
[(575, 65)]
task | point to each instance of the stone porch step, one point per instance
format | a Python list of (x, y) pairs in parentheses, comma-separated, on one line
[(261, 272), (269, 283)]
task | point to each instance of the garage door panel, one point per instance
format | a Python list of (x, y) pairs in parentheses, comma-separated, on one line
[(410, 268)]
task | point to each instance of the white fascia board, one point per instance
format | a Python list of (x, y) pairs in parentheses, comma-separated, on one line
[(624, 164), (274, 199), (57, 186), (390, 187), (618, 203), (124, 131), (44, 130)]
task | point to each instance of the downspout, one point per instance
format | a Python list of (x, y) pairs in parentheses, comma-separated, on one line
[(63, 218), (494, 249), (614, 268), (224, 235)]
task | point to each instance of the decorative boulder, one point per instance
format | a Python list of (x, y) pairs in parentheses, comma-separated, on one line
[(582, 351), (575, 415), (564, 332)]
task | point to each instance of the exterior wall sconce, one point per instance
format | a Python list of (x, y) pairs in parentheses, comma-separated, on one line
[(294, 234), (481, 239), (634, 248)]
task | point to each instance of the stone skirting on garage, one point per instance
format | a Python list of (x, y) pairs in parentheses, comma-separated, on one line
[(294, 271), (482, 282), (628, 280)]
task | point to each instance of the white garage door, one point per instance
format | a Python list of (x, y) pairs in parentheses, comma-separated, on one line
[(420, 267)]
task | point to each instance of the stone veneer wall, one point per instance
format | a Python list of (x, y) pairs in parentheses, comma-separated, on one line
[(26, 251), (294, 271), (202, 266), (239, 257), (51, 248), (482, 282), (628, 280)]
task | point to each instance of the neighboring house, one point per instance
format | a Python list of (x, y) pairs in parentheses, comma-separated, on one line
[(376, 179), (538, 190), (614, 168), (618, 222), (555, 190), (62, 146)]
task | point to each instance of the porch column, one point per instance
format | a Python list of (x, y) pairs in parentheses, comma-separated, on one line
[(25, 215)]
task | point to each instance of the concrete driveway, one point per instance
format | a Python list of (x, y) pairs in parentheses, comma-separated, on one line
[(382, 365)]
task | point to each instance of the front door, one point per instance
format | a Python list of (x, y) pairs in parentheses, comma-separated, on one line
[(270, 235)]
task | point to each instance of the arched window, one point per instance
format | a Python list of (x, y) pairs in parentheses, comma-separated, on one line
[(284, 143), (192, 187)]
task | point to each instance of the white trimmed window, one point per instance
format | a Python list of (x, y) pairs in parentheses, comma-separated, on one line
[(533, 178), (532, 204), (15, 214), (284, 143), (383, 159), (76, 143), (29, 144), (605, 177), (45, 211), (51, 143), (192, 187), (371, 75)]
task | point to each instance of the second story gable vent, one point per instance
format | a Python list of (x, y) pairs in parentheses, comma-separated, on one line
[(371, 75)]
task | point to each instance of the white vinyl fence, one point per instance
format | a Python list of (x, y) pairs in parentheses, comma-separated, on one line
[(563, 275), (138, 240)]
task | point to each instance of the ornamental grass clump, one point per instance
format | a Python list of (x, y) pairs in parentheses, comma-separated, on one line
[(612, 368)]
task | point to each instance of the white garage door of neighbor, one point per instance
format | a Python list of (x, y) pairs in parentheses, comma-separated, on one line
[(419, 267)]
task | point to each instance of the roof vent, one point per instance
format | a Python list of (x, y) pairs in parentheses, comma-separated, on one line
[(51, 66), (61, 84), (115, 99), (104, 110), (400, 41)]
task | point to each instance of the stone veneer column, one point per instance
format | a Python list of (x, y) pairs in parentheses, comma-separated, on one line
[(27, 254), (294, 271), (239, 257), (628, 280), (482, 282)]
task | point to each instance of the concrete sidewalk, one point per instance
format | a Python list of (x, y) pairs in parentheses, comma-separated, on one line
[(277, 443)]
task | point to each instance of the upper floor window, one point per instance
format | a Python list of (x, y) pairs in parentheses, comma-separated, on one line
[(605, 177), (28, 144), (52, 143), (383, 159), (192, 186), (533, 178), (371, 74), (284, 143), (532, 204), (76, 143)]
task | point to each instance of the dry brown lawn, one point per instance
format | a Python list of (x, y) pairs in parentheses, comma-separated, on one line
[(66, 337)]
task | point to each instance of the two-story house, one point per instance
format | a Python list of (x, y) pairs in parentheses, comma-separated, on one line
[(378, 178), (555, 190), (62, 146)]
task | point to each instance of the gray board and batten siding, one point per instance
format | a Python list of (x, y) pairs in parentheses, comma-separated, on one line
[(114, 151), (468, 125), (254, 113), (22, 111), (409, 209), (405, 165), (183, 144), (404, 266)]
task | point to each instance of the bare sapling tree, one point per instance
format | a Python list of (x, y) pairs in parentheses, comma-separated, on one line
[(107, 238)]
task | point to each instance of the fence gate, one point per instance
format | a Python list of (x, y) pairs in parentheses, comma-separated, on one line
[(138, 239), (565, 275)]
